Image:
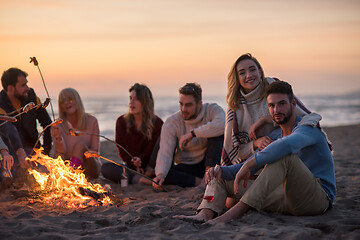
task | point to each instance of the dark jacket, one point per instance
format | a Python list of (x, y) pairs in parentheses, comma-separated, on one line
[(26, 124)]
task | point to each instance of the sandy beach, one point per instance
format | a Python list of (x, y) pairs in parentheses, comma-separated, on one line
[(147, 214)]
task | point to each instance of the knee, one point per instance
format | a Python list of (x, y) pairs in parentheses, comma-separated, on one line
[(92, 167), (80, 147)]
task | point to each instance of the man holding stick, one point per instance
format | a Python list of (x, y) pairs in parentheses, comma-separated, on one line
[(22, 135)]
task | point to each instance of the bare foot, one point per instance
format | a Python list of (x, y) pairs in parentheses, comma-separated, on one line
[(203, 216)]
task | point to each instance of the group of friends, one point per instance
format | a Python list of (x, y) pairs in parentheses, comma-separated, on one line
[(267, 152)]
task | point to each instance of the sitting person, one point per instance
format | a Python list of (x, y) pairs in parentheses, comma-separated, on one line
[(191, 140), (247, 104), (298, 176), (21, 136), (137, 131), (72, 112)]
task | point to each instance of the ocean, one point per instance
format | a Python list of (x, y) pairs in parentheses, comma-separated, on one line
[(336, 110)]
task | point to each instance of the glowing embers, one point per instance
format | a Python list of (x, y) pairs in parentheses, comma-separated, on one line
[(63, 186)]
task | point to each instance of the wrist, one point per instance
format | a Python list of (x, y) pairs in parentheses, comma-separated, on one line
[(193, 133), (4, 152), (160, 176), (250, 163)]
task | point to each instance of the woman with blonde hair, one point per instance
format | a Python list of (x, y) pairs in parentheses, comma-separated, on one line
[(137, 131), (69, 147), (246, 105)]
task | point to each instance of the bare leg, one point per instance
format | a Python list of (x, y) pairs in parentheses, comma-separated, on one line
[(91, 165), (204, 215), (235, 212), (230, 202)]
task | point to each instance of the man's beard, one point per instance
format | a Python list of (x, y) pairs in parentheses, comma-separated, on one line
[(192, 116), (286, 118), (20, 97)]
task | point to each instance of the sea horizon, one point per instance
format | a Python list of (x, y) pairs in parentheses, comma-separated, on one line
[(336, 110)]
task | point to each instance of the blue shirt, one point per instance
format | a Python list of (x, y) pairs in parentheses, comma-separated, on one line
[(309, 143)]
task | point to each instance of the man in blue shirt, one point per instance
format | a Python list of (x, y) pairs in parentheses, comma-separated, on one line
[(298, 176)]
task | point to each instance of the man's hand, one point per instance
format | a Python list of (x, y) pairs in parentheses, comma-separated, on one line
[(8, 160), (262, 142), (209, 175), (159, 179), (244, 174), (21, 155), (184, 139)]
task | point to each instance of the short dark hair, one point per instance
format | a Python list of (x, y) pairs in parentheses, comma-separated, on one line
[(192, 89), (10, 77), (280, 87)]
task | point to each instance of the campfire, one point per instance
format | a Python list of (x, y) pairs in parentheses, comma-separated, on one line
[(61, 185)]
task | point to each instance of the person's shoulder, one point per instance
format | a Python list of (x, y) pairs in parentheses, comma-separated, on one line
[(158, 120), (213, 106), (121, 118), (91, 118), (174, 119)]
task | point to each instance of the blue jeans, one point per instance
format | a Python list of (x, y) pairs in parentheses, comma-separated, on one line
[(184, 175)]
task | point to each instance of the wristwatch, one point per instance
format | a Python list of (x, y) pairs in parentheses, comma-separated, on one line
[(193, 133)]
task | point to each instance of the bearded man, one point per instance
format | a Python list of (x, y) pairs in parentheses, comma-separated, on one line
[(298, 175), (191, 140), (22, 135)]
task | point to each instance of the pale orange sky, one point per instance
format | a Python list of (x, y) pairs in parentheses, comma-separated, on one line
[(106, 46)]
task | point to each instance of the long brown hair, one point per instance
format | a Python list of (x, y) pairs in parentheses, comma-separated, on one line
[(144, 95), (233, 96)]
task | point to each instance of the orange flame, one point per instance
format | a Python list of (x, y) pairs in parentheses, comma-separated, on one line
[(60, 186)]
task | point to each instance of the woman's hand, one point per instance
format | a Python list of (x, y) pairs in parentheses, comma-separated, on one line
[(262, 142), (56, 133), (256, 125), (137, 163)]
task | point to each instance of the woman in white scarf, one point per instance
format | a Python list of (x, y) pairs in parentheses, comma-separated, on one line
[(246, 104)]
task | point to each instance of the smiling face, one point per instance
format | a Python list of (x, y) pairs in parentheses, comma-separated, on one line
[(188, 107), (248, 74), (68, 104), (135, 105)]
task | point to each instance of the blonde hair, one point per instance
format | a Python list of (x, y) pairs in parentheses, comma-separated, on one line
[(233, 96), (144, 95), (67, 93)]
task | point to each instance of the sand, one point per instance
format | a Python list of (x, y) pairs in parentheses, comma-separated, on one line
[(148, 214)]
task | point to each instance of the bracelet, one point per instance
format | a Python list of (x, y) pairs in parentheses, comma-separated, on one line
[(193, 133)]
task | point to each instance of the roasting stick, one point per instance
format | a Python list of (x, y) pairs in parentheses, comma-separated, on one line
[(78, 133), (89, 154), (36, 63), (58, 121), (23, 110)]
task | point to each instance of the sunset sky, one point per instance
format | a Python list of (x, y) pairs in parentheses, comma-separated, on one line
[(103, 47)]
